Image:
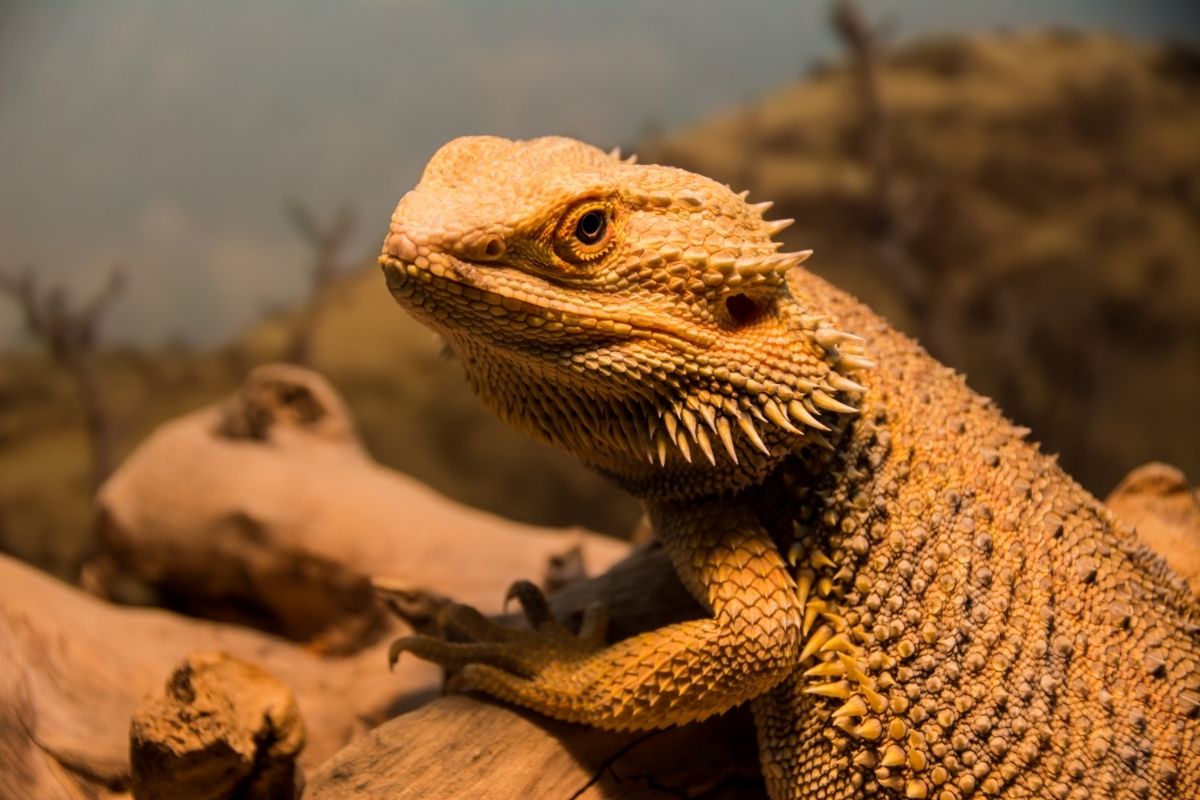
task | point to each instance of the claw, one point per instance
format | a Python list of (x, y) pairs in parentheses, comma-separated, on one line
[(533, 603), (455, 655), (536, 610)]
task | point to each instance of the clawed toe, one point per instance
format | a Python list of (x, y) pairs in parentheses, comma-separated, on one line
[(473, 640), (535, 608), (456, 655)]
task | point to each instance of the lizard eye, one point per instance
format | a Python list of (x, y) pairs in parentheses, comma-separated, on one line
[(586, 233), (591, 226)]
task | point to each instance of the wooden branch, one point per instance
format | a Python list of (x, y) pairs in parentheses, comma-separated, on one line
[(469, 747), (898, 224), (70, 334), (327, 242)]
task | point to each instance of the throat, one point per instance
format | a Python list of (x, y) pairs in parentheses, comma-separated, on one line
[(641, 434)]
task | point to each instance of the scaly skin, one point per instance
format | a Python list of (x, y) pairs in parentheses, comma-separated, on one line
[(915, 600)]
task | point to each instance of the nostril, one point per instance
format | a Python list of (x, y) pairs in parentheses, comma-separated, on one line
[(494, 248)]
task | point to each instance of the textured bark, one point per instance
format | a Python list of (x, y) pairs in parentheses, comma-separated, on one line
[(266, 510), (468, 747), (75, 668), (220, 728)]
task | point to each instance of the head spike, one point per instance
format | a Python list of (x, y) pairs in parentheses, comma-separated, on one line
[(815, 642), (804, 582), (839, 690), (775, 226), (775, 414), (726, 434), (689, 421), (853, 670), (843, 384), (763, 207), (747, 426), (632, 159), (705, 445), (831, 337), (615, 153), (824, 401), (798, 411), (852, 363), (671, 424), (826, 669), (854, 707), (839, 643), (681, 441), (661, 442), (818, 559), (780, 263)]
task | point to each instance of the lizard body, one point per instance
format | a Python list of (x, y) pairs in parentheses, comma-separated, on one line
[(915, 601)]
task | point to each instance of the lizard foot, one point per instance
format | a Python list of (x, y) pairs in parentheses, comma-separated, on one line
[(671, 675), (472, 640)]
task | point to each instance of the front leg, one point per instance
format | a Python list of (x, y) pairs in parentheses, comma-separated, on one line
[(672, 675)]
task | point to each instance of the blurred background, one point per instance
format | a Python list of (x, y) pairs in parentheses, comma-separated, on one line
[(189, 189)]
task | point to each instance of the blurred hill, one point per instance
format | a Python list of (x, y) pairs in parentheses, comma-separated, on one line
[(1052, 182)]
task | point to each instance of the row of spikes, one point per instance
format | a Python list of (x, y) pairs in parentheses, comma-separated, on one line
[(841, 673), (726, 269), (679, 426), (615, 155), (773, 226)]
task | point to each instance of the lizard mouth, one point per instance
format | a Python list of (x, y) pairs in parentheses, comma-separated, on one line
[(465, 288)]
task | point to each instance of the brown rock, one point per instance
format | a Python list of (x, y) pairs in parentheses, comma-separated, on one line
[(222, 728)]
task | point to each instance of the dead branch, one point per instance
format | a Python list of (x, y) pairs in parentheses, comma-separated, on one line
[(327, 242), (70, 334), (897, 223)]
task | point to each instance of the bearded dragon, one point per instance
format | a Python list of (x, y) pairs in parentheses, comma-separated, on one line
[(915, 601)]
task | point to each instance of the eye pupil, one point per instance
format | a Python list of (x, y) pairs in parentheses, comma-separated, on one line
[(591, 226)]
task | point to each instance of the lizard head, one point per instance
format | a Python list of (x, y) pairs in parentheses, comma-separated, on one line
[(638, 315)]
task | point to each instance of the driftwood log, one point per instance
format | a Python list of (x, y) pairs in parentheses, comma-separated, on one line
[(266, 510), (82, 668), (74, 669)]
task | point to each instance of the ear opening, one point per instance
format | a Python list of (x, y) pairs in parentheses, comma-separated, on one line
[(743, 309)]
